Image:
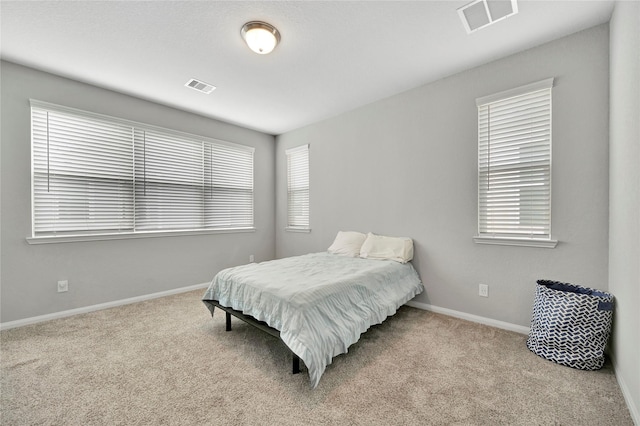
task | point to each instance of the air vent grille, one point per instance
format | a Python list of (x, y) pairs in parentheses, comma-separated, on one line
[(200, 86), (481, 13)]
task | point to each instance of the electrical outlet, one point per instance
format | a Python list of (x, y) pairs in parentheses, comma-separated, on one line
[(251, 258), (483, 290), (63, 286)]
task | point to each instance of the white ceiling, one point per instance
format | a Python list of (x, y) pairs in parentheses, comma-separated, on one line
[(334, 55)]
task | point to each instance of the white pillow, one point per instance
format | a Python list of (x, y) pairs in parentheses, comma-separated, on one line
[(393, 248), (347, 243)]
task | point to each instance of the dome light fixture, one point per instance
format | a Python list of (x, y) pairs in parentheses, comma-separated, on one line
[(261, 37)]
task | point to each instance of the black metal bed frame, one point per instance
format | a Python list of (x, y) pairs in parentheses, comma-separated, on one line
[(260, 325)]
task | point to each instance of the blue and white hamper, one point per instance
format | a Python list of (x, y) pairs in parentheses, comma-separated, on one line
[(570, 324)]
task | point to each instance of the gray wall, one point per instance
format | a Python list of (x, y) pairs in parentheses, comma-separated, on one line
[(624, 225), (105, 271), (407, 166)]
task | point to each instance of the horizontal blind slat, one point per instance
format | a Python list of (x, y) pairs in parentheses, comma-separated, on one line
[(298, 187), (514, 155), (82, 175), (92, 175)]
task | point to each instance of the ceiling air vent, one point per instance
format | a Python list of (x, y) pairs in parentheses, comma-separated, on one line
[(481, 13), (200, 86)]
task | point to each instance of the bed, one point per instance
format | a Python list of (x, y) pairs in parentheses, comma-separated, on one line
[(318, 304)]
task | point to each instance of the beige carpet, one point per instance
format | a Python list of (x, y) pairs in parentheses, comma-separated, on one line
[(167, 362)]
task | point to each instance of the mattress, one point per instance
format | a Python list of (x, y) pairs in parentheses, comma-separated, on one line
[(320, 302)]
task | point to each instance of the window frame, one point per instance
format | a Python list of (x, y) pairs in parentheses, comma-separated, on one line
[(297, 154), (74, 236), (516, 239)]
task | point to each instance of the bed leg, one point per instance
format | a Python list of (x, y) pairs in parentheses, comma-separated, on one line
[(296, 364), (228, 315)]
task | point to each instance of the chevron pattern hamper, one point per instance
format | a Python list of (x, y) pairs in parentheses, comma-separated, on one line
[(570, 324)]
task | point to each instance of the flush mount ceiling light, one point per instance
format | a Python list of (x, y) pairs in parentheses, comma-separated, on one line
[(481, 13), (261, 37)]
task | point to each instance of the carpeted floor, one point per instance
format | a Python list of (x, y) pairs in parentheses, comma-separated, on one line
[(167, 362)]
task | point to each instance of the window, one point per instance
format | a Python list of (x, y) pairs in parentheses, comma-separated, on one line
[(514, 166), (95, 175), (298, 188), (82, 174)]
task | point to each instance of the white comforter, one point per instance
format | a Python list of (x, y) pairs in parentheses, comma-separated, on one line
[(319, 302)]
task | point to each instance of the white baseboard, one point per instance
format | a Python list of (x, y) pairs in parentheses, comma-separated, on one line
[(92, 308), (470, 317), (634, 410)]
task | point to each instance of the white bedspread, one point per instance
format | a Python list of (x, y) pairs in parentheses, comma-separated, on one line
[(319, 302)]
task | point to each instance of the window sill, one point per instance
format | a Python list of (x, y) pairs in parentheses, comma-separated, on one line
[(130, 235), (304, 230), (513, 241)]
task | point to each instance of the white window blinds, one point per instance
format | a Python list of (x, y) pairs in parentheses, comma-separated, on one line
[(95, 175), (228, 177), (82, 174), (169, 186), (514, 163), (298, 188)]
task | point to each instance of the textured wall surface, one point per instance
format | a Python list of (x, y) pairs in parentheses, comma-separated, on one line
[(106, 271), (407, 166), (624, 227)]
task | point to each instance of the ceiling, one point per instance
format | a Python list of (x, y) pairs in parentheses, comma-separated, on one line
[(334, 55)]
